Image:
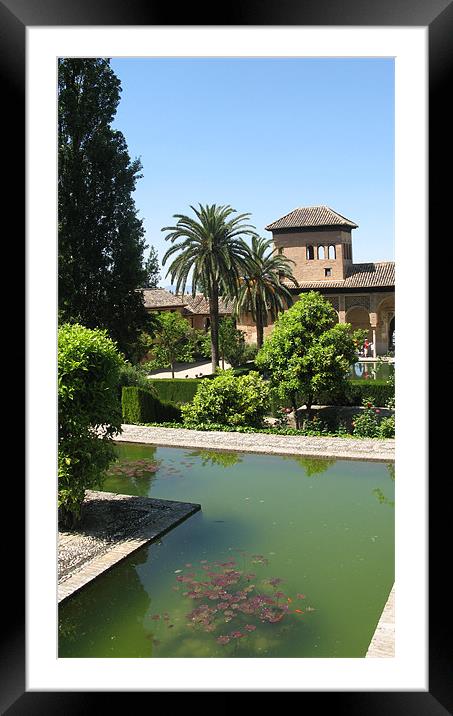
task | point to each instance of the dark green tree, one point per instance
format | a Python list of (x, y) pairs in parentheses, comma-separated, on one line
[(231, 342), (152, 269), (308, 353), (101, 240)]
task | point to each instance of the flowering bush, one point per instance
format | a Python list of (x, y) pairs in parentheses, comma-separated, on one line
[(366, 425), (282, 418)]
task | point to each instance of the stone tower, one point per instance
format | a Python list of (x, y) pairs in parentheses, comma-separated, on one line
[(318, 240)]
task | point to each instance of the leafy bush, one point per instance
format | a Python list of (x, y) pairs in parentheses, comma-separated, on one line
[(89, 413), (232, 346), (200, 344), (229, 400), (366, 425), (140, 406), (134, 375), (387, 427)]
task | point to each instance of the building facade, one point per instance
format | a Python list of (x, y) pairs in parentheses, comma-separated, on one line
[(319, 241)]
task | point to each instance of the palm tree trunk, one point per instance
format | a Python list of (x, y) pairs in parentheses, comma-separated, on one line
[(259, 327), (214, 319)]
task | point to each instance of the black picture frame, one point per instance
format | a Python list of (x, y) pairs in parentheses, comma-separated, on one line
[(437, 15)]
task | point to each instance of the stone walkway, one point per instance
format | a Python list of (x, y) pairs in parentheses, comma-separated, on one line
[(345, 448), (186, 370), (112, 527)]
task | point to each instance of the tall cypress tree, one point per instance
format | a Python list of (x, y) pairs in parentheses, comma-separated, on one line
[(101, 238)]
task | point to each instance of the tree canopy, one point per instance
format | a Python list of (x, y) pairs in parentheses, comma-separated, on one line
[(152, 269), (170, 340), (210, 247), (261, 289), (101, 238), (308, 352)]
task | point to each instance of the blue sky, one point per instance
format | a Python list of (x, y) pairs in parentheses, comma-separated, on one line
[(265, 135)]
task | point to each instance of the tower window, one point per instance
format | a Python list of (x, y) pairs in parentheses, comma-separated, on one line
[(327, 272), (310, 253), (321, 252), (332, 252)]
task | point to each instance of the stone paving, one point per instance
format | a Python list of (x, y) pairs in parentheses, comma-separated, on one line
[(346, 448), (112, 527)]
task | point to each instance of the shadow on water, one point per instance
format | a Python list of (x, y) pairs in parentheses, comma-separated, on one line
[(94, 623)]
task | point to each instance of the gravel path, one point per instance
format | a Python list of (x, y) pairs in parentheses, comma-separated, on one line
[(346, 448), (183, 370)]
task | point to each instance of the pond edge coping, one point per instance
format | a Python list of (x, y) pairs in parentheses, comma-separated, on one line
[(148, 532), (380, 450), (382, 644)]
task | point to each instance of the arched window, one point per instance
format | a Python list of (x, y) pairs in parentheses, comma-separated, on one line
[(321, 252), (332, 252), (310, 253)]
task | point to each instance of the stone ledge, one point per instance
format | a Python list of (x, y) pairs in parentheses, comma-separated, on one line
[(112, 527), (341, 448), (383, 642)]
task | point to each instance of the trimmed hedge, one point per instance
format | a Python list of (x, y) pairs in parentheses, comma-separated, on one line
[(140, 406), (175, 390), (379, 391), (183, 390)]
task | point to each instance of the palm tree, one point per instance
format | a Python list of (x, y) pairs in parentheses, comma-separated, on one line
[(262, 291), (212, 249)]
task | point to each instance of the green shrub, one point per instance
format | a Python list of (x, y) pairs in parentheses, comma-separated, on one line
[(175, 390), (133, 375), (366, 425), (89, 413), (140, 406), (229, 400), (250, 351), (387, 427)]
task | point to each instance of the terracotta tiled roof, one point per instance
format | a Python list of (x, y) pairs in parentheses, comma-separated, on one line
[(161, 298), (200, 305), (311, 216), (369, 275)]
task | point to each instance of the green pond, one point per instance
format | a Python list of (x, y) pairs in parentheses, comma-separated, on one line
[(372, 370), (289, 557)]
